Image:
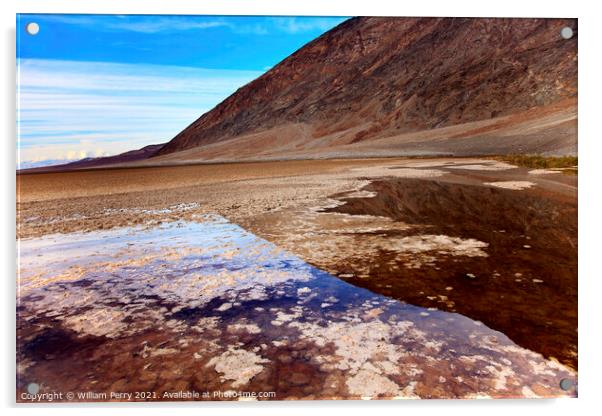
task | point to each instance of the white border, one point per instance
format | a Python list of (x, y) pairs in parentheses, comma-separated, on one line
[(506, 8), (590, 154)]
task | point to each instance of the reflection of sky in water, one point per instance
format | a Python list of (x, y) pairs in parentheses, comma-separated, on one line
[(251, 301)]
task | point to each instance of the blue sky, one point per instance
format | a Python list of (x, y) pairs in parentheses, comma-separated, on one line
[(93, 85)]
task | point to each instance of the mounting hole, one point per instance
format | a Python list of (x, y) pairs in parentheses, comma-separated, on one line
[(32, 28), (566, 384), (33, 388), (566, 32)]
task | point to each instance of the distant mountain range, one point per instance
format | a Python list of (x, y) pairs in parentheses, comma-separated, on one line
[(378, 86), (43, 163)]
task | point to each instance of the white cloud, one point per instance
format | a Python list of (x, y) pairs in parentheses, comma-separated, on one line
[(71, 110), (165, 24), (305, 24), (141, 24), (237, 24)]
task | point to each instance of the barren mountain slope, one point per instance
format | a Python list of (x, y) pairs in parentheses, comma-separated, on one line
[(370, 78)]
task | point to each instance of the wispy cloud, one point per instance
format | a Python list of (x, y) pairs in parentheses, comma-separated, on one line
[(70, 110), (237, 24), (154, 25), (305, 24), (142, 24)]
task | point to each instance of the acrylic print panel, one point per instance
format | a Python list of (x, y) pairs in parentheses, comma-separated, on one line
[(271, 208)]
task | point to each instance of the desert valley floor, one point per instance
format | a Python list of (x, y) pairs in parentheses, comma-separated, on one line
[(364, 278)]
